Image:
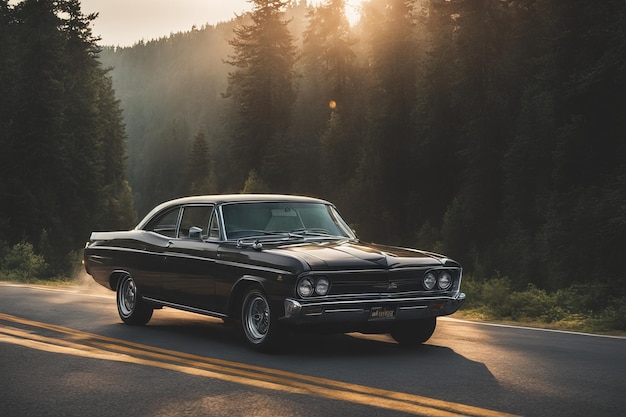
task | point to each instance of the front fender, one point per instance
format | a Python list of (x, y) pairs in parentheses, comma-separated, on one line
[(276, 290)]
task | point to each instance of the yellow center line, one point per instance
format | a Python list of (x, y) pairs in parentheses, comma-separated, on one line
[(103, 347)]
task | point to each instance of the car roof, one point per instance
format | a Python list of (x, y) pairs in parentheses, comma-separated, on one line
[(236, 198), (229, 198)]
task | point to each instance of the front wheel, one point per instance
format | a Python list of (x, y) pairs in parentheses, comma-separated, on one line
[(415, 332), (130, 306), (258, 321)]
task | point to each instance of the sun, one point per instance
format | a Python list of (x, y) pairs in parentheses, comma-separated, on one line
[(353, 11)]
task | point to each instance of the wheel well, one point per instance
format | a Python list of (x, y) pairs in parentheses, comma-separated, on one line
[(236, 296), (115, 277)]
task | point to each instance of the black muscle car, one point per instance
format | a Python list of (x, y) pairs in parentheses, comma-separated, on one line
[(275, 264)]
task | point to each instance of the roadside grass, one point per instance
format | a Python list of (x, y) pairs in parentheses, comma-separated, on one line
[(573, 324), (50, 282), (587, 308)]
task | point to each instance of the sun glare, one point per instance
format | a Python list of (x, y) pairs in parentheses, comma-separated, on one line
[(353, 11)]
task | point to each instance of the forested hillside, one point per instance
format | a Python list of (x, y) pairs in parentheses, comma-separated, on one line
[(490, 130), (62, 139)]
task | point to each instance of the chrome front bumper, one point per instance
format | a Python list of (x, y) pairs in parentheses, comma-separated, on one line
[(368, 310)]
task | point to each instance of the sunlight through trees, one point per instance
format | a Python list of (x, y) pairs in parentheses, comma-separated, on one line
[(490, 130)]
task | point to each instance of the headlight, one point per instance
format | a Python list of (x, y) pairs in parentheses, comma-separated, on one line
[(445, 280), (310, 286), (305, 287), (321, 287), (429, 281)]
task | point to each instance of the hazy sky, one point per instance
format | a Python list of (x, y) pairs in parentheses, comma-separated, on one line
[(125, 22)]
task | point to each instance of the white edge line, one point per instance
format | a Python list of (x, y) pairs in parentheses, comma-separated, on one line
[(510, 326), (72, 289)]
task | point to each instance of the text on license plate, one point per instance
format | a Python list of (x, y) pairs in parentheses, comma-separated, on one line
[(382, 313)]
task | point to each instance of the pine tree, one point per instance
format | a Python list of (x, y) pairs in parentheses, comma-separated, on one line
[(118, 210), (328, 52), (199, 166), (9, 87), (63, 130), (331, 71), (585, 206), (262, 85), (386, 167), (37, 142)]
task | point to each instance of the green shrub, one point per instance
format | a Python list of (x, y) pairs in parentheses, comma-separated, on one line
[(495, 295), (614, 316), (21, 263), (535, 304), (582, 307)]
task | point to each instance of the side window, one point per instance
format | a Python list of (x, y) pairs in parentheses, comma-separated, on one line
[(164, 223), (195, 216)]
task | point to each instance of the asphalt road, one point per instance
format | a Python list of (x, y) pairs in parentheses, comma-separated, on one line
[(64, 352)]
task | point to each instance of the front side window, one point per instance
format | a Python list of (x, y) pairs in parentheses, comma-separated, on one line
[(195, 217)]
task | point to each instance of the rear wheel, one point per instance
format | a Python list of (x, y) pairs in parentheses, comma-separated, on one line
[(259, 323), (415, 332), (130, 306)]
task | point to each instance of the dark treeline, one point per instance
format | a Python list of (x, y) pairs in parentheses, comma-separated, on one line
[(489, 130), (62, 138)]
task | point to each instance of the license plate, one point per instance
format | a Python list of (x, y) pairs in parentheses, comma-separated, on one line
[(381, 313)]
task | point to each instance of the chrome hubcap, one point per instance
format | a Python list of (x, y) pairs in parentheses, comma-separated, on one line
[(127, 297), (257, 319)]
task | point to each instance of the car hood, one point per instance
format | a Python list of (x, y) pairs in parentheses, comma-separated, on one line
[(358, 255)]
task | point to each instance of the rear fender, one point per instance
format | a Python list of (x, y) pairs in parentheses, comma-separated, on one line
[(115, 277)]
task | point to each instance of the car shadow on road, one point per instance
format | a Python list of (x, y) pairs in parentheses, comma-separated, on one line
[(346, 353), (429, 370), (174, 325)]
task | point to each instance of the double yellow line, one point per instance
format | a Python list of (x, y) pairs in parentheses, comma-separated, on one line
[(79, 343)]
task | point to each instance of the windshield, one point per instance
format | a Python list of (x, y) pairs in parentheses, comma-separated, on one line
[(246, 220)]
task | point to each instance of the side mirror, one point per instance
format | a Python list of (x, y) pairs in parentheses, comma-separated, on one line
[(195, 232)]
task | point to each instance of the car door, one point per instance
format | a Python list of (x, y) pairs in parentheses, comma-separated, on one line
[(148, 259), (190, 260)]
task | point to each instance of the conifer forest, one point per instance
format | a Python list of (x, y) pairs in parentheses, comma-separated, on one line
[(493, 131)]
